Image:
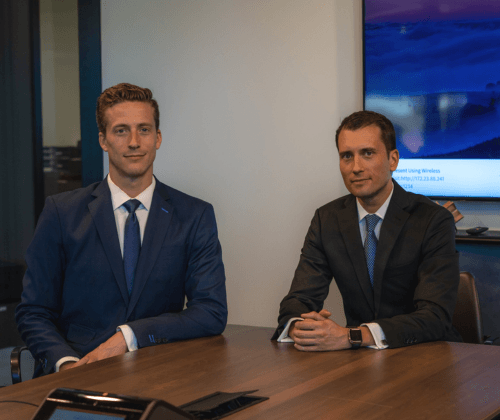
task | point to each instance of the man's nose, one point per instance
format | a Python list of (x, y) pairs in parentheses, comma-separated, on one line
[(134, 140), (357, 164)]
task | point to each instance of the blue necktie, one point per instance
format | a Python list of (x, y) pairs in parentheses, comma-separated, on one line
[(371, 243), (131, 242)]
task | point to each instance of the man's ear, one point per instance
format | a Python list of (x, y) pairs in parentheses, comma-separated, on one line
[(102, 142), (158, 139), (393, 159)]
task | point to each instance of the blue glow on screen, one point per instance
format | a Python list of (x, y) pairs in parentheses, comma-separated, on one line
[(433, 68), (64, 414)]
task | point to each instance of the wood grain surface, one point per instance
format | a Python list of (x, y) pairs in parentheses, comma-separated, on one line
[(427, 381)]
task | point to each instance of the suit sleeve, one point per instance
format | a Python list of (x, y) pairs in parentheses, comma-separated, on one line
[(40, 306), (206, 308), (436, 291), (311, 281)]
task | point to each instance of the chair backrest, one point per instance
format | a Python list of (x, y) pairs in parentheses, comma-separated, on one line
[(11, 360), (467, 317), (5, 378), (22, 364)]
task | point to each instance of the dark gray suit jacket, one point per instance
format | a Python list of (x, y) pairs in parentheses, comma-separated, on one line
[(416, 269)]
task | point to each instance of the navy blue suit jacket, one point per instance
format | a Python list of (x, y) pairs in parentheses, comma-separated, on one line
[(75, 292)]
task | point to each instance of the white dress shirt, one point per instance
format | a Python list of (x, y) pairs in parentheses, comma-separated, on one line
[(375, 329), (118, 198)]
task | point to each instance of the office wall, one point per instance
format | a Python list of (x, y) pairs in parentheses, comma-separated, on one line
[(250, 94), (60, 73)]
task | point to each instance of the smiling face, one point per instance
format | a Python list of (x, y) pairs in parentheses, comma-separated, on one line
[(366, 166), (131, 140)]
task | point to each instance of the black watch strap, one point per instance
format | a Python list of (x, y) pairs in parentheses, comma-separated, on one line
[(355, 338)]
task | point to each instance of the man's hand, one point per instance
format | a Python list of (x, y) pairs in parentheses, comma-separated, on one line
[(113, 347), (323, 313), (318, 333)]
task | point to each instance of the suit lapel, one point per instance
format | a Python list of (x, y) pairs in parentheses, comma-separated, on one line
[(101, 209), (160, 215), (349, 228), (394, 220)]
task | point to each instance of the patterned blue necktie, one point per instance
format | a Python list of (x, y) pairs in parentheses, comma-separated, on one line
[(131, 242), (371, 243)]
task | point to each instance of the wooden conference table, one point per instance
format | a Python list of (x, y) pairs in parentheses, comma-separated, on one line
[(427, 381)]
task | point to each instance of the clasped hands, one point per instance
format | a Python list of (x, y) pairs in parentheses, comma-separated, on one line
[(114, 346), (318, 333)]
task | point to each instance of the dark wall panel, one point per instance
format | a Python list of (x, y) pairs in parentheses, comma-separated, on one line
[(17, 188), (89, 28)]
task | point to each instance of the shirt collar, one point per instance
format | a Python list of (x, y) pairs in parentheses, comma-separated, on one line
[(118, 196), (380, 212)]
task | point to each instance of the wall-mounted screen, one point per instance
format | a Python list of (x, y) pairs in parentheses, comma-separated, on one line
[(433, 68)]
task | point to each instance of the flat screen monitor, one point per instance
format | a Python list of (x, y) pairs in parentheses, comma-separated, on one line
[(433, 68)]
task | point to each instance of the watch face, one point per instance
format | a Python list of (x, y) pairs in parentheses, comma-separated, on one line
[(355, 336)]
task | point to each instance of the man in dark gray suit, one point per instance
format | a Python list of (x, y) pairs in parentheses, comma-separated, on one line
[(392, 254)]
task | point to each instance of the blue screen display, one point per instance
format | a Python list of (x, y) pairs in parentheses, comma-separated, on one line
[(65, 414), (433, 68)]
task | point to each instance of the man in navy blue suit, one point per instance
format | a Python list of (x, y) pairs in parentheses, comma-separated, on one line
[(94, 289)]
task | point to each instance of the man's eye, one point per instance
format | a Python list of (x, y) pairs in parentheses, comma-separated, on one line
[(347, 156), (144, 130), (368, 153), (120, 131)]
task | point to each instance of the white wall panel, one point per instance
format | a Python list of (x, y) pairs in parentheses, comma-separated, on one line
[(250, 94)]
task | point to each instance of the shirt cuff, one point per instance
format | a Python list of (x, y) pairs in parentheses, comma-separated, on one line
[(129, 336), (378, 336), (64, 360), (283, 338)]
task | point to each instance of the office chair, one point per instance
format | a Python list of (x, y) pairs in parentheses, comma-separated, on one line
[(467, 317), (5, 372), (21, 356)]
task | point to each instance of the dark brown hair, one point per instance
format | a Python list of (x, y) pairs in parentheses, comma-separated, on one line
[(362, 119), (121, 93)]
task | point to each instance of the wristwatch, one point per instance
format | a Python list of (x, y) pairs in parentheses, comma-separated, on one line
[(355, 338)]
